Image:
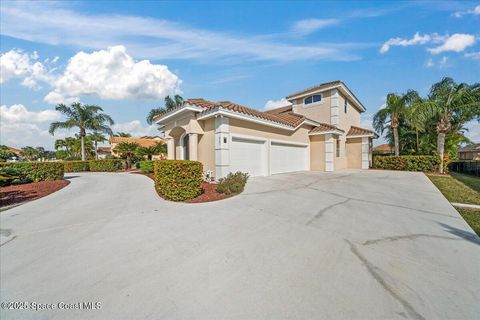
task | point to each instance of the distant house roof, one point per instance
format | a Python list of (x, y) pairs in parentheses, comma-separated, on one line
[(141, 141), (104, 150), (470, 148), (383, 147), (14, 150)]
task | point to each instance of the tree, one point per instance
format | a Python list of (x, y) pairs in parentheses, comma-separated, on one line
[(395, 109), (170, 104), (127, 150), (450, 106), (5, 153), (122, 134), (86, 117), (159, 148), (97, 137), (30, 153)]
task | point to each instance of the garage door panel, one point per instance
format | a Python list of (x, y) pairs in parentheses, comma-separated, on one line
[(248, 156), (286, 157)]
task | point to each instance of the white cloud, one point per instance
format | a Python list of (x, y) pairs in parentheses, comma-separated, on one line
[(430, 63), (475, 11), (54, 97), (166, 39), (473, 55), (136, 129), (19, 113), (308, 26), (416, 40), (456, 42), (273, 104), (440, 63), (113, 74), (18, 64)]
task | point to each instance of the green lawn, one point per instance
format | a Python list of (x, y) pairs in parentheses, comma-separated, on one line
[(461, 188)]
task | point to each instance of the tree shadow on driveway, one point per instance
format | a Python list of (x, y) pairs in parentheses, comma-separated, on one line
[(469, 236)]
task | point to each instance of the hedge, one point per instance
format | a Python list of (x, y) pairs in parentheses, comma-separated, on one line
[(36, 171), (232, 183), (407, 163), (146, 166), (178, 180), (106, 165), (76, 166)]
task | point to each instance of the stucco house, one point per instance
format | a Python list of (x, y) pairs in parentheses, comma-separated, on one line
[(320, 130), (470, 152)]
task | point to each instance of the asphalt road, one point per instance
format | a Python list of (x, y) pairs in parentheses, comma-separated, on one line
[(347, 245)]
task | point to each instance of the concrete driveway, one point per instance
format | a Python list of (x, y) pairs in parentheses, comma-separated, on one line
[(348, 245)]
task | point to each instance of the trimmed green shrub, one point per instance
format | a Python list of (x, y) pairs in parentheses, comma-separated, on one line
[(407, 163), (232, 183), (8, 176), (76, 166), (178, 180), (35, 171), (106, 165), (146, 166)]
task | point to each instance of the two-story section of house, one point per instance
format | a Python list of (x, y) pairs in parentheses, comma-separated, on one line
[(319, 131)]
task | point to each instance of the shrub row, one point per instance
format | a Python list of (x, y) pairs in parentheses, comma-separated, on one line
[(178, 180), (407, 163), (232, 183), (106, 165), (34, 171), (146, 166)]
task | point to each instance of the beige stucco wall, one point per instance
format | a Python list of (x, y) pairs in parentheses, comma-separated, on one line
[(341, 161), (317, 153), (351, 118), (253, 129), (206, 145), (186, 121), (318, 112), (354, 153)]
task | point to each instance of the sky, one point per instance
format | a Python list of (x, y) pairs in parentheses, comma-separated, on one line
[(126, 56)]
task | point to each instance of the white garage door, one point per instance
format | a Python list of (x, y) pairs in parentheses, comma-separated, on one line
[(248, 156), (288, 158)]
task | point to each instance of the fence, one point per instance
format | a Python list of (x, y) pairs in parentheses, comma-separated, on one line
[(468, 167)]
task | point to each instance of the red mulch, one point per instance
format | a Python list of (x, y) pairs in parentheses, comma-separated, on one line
[(30, 191), (209, 191)]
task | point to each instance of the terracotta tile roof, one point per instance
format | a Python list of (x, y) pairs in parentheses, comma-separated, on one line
[(357, 131), (469, 148), (140, 141), (318, 86), (200, 102), (14, 150), (280, 110), (104, 149), (324, 127), (383, 147)]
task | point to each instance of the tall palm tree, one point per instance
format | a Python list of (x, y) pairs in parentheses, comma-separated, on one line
[(396, 108), (127, 150), (170, 104), (450, 105), (86, 117), (97, 137)]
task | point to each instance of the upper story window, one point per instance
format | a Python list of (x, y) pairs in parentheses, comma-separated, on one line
[(345, 105), (313, 99)]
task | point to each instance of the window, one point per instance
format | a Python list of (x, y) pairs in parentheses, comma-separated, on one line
[(345, 105), (313, 99), (338, 148)]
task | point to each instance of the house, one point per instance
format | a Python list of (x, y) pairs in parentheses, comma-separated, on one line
[(320, 130), (143, 142), (383, 149), (470, 152), (103, 152)]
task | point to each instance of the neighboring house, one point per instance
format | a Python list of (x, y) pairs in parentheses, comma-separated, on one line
[(319, 131), (470, 152), (143, 142), (103, 152), (383, 149), (14, 150)]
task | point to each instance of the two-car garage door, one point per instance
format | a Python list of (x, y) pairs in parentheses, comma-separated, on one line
[(263, 157)]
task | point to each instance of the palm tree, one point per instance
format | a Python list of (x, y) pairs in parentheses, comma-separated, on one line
[(170, 104), (395, 109), (97, 137), (86, 117), (152, 150), (122, 134), (450, 105), (127, 150), (30, 153)]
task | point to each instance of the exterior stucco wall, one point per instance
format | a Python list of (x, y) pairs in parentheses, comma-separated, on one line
[(341, 160), (318, 112), (354, 153), (351, 118), (317, 153), (206, 145), (253, 129), (187, 122)]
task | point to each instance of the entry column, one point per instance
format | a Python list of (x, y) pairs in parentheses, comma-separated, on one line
[(193, 146), (170, 149)]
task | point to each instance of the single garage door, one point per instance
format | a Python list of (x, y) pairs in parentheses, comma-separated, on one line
[(248, 156), (286, 157)]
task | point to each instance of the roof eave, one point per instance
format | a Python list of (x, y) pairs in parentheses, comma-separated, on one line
[(186, 107)]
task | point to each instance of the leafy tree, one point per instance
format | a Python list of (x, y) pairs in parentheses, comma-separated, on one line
[(5, 153), (86, 117), (97, 137), (159, 148), (122, 134), (395, 109), (449, 105), (127, 150), (30, 153), (170, 104)]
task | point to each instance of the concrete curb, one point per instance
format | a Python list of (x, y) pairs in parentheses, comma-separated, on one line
[(464, 205)]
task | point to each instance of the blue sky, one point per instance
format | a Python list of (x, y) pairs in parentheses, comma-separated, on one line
[(246, 52)]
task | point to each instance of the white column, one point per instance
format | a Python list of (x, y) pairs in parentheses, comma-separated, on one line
[(334, 107), (193, 146), (222, 147), (365, 153), (329, 152), (170, 149)]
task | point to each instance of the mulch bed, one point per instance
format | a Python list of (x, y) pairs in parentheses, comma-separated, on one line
[(209, 192), (12, 195)]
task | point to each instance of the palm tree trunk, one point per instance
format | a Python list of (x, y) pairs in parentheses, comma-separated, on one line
[(82, 141), (441, 149), (395, 140), (96, 150), (416, 133)]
